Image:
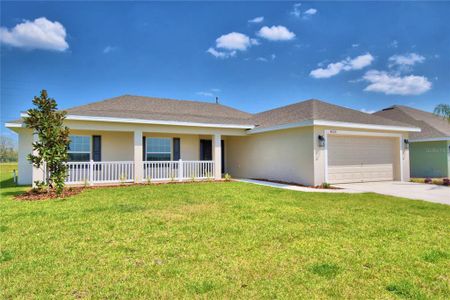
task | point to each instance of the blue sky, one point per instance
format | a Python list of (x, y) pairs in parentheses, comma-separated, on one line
[(253, 56)]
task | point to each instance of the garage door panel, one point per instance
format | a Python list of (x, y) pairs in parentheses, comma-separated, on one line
[(359, 158)]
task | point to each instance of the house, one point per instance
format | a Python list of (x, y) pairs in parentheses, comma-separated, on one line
[(133, 138), (430, 148)]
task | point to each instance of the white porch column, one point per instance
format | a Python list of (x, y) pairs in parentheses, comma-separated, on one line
[(217, 156), (138, 164), (38, 173)]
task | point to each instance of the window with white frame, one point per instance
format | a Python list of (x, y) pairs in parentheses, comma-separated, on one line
[(79, 148), (158, 149)]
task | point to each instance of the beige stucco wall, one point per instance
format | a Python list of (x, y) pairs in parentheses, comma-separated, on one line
[(288, 155), (189, 144), (25, 168), (319, 153), (285, 155), (118, 146)]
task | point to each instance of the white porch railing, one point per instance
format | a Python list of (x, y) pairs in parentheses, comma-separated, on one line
[(178, 170), (100, 172), (93, 172)]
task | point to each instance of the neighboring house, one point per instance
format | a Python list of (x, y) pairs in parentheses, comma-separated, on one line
[(132, 138), (429, 149)]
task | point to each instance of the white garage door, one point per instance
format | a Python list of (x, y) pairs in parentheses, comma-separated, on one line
[(360, 159)]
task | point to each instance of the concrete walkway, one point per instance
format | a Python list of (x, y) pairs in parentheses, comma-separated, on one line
[(411, 190), (297, 188)]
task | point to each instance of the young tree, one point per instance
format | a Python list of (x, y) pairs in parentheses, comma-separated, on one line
[(53, 140), (443, 110)]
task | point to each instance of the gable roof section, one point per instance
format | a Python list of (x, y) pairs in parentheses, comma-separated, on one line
[(150, 110), (313, 109), (433, 127), (160, 109)]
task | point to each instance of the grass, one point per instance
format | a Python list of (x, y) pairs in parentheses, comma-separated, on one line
[(221, 240)]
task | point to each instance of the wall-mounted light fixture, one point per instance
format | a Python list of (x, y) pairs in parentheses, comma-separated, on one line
[(406, 141), (321, 141)]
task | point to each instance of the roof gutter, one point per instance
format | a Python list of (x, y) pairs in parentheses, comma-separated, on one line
[(334, 124), (153, 122), (438, 139)]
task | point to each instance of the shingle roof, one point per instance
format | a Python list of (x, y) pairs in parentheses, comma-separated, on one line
[(318, 110), (160, 109), (149, 108), (432, 126)]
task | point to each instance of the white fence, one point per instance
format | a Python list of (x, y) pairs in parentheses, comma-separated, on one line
[(100, 172), (178, 170), (123, 171)]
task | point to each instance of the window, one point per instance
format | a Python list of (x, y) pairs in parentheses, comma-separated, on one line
[(79, 148), (158, 149)]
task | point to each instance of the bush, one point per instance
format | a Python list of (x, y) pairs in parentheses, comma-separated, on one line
[(428, 180), (446, 181), (326, 185), (227, 177)]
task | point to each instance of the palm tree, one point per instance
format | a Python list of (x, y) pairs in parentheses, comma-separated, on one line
[(443, 110)]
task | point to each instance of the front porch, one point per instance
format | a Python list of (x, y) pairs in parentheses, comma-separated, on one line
[(106, 157), (110, 172)]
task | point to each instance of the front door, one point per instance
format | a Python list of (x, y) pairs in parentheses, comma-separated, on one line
[(205, 150)]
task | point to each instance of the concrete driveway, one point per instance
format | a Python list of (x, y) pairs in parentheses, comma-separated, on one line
[(418, 191)]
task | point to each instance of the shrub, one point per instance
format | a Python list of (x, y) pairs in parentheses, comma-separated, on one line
[(446, 181), (227, 177), (428, 180), (326, 185)]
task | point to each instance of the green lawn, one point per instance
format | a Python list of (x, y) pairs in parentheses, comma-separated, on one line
[(222, 240)]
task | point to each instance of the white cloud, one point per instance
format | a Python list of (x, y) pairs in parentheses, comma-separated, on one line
[(263, 59), (355, 45), (276, 33), (273, 56), (221, 54), (296, 10), (360, 62), (310, 12), (392, 84), (347, 64), (233, 41), (409, 59), (38, 34), (394, 44), (209, 92), (254, 42), (367, 111), (205, 94), (256, 20), (109, 49)]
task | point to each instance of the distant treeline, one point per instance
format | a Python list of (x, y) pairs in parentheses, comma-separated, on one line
[(8, 150)]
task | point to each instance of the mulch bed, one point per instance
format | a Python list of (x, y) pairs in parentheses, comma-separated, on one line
[(297, 184), (33, 195)]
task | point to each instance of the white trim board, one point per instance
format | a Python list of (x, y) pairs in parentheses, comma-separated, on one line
[(333, 124), (362, 133), (155, 122), (14, 125), (438, 139)]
